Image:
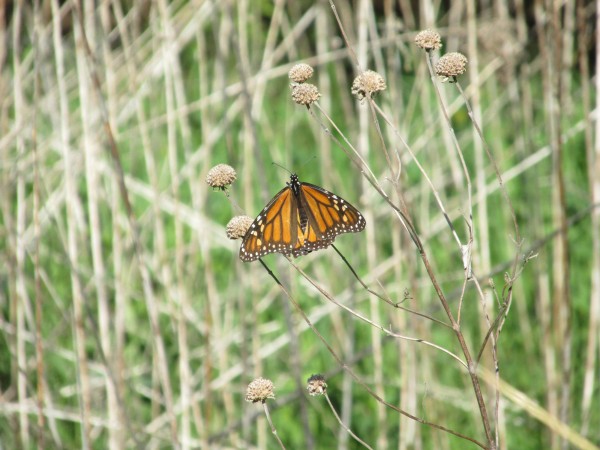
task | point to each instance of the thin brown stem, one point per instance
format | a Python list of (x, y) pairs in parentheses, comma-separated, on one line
[(422, 170), (39, 352), (343, 425), (387, 331), (273, 429), (459, 152), (493, 161), (386, 298), (456, 327), (353, 374), (149, 295)]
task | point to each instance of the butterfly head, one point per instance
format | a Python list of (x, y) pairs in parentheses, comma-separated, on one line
[(294, 184)]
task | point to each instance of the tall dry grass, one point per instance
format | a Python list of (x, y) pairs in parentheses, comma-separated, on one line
[(467, 314)]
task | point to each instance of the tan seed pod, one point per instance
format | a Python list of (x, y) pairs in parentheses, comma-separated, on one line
[(368, 84), (451, 65), (260, 390), (305, 94), (300, 73), (428, 40), (221, 176), (237, 227)]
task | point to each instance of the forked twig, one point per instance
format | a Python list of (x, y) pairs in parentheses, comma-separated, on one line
[(384, 298), (354, 375)]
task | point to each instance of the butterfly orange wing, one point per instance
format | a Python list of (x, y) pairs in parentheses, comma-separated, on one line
[(328, 216), (301, 218), (274, 230)]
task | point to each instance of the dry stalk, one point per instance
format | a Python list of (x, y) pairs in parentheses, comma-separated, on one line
[(343, 425), (74, 211), (550, 43), (272, 425), (90, 123), (117, 433), (386, 298), (593, 159), (181, 301), (371, 322), (149, 295), (20, 304), (363, 146), (356, 378), (445, 305), (39, 351)]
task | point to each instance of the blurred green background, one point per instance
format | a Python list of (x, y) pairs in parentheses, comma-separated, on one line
[(140, 327)]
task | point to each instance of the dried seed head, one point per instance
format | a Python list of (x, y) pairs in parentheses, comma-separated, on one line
[(428, 40), (451, 65), (237, 227), (316, 385), (260, 390), (220, 176), (368, 84), (305, 94), (300, 73)]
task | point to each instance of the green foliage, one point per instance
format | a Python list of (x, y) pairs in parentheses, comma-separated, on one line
[(228, 322)]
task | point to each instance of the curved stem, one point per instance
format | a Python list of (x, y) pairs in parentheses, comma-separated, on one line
[(350, 432), (356, 378), (386, 299), (273, 429)]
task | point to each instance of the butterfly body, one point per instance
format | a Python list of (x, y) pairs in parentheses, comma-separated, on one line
[(301, 218)]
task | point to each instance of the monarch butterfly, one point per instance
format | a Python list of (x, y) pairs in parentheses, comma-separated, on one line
[(301, 218)]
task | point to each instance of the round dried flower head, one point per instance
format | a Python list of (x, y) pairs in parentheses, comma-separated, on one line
[(237, 227), (428, 40), (367, 84), (220, 176), (260, 390), (300, 73), (316, 385), (305, 94), (451, 65)]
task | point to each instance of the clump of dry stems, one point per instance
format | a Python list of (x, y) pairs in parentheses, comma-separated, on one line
[(366, 84)]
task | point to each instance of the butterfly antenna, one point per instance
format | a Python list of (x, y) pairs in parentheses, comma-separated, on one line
[(309, 160), (281, 167)]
